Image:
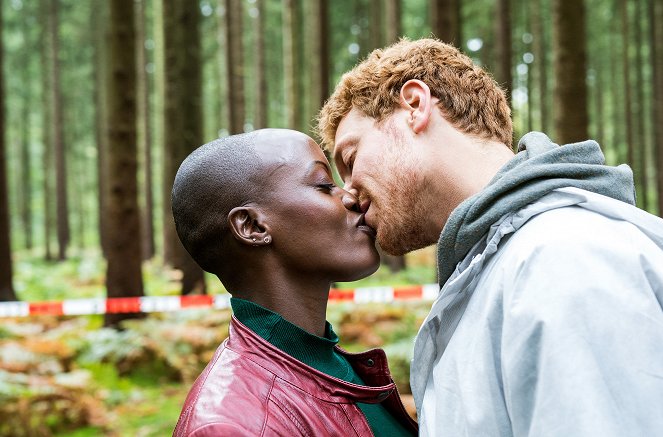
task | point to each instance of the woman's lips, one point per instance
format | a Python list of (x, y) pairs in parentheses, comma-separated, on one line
[(362, 226), (369, 230)]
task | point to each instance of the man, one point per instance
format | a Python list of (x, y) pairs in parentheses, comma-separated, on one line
[(549, 320)]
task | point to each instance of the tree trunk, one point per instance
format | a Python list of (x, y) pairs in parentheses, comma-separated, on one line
[(640, 138), (656, 53), (626, 66), (100, 20), (616, 90), (290, 63), (183, 121), (223, 78), (172, 123), (317, 56), (375, 27), (325, 59), (47, 154), (26, 161), (235, 65), (540, 63), (503, 46), (123, 277), (144, 134), (6, 285), (393, 30), (570, 60), (445, 20), (62, 209), (527, 19), (261, 100)]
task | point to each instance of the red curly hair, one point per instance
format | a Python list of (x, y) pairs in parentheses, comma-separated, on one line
[(469, 98)]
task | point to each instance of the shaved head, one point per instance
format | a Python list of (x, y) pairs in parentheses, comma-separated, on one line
[(211, 181), (221, 175)]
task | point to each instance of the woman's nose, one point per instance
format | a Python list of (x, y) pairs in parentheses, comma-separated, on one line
[(350, 200)]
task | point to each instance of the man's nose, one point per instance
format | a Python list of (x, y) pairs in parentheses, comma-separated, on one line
[(347, 186), (350, 200)]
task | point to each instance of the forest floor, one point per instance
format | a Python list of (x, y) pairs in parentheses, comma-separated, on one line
[(70, 376)]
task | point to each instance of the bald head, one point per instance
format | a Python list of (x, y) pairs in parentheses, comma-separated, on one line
[(211, 181), (219, 176)]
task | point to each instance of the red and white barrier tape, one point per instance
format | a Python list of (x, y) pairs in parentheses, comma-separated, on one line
[(151, 304)]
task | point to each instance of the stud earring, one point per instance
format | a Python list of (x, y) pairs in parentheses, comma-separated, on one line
[(267, 240)]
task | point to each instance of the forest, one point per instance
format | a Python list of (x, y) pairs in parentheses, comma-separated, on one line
[(101, 100)]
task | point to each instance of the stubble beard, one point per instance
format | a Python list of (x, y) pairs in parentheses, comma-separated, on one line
[(403, 214)]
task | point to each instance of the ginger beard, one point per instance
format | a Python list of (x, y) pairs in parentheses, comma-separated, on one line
[(397, 194)]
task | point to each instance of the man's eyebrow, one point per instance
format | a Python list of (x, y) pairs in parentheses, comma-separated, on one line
[(345, 142)]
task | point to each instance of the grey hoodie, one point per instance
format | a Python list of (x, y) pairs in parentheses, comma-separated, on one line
[(539, 167)]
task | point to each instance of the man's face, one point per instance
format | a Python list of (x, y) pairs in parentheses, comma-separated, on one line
[(382, 165)]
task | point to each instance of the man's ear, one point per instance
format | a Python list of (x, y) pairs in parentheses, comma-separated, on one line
[(248, 226), (415, 97)]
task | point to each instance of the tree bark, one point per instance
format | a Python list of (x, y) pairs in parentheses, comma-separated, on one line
[(541, 63), (123, 277), (47, 157), (100, 20), (445, 20), (235, 66), (144, 134), (57, 137), (325, 58), (375, 28), (616, 91), (317, 55), (628, 99), (640, 139), (504, 47), (393, 28), (655, 9), (290, 63), (26, 155), (224, 118), (183, 121), (6, 284), (570, 61), (261, 100)]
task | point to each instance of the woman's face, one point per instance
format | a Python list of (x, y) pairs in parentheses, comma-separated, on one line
[(312, 231)]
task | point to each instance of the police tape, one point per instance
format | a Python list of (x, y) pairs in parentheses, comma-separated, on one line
[(153, 304)]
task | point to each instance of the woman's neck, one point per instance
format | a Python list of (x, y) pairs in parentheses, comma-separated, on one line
[(299, 301)]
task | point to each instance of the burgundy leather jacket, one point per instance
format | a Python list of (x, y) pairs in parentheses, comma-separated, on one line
[(251, 388)]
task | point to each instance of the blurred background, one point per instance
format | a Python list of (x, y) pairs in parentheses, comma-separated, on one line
[(102, 99)]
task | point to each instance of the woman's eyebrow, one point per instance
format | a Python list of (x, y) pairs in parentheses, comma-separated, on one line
[(314, 164)]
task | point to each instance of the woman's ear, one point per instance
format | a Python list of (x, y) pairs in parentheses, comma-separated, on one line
[(248, 226), (415, 97)]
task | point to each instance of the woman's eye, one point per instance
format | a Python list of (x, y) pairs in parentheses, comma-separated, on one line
[(327, 187)]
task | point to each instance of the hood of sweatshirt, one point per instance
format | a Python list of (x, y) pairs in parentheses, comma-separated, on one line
[(539, 167)]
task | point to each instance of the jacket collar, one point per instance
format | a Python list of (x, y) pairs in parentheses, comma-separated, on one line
[(371, 366)]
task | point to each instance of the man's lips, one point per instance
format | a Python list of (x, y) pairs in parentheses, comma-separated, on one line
[(364, 205), (362, 226)]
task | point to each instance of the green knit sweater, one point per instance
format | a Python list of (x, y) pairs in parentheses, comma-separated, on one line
[(317, 352)]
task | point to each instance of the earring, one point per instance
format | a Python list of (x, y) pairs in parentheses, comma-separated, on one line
[(267, 240), (254, 239)]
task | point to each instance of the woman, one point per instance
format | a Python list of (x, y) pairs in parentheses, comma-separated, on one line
[(262, 212)]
